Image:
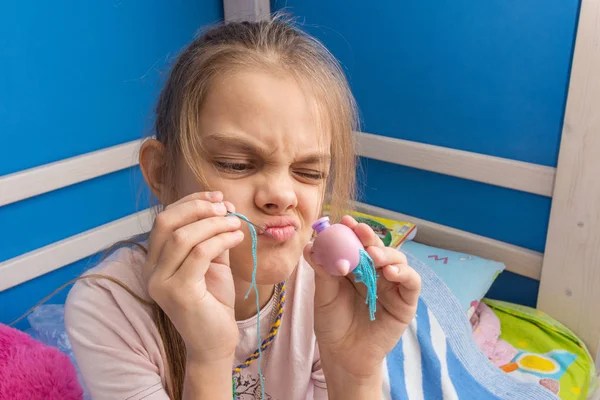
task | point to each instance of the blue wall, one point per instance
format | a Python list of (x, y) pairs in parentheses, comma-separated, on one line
[(77, 77), (489, 77)]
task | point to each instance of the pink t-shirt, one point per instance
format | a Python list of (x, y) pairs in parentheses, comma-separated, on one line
[(120, 353)]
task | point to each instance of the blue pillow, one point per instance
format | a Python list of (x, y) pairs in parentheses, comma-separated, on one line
[(468, 277)]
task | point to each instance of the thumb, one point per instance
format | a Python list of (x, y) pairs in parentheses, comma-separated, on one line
[(327, 286)]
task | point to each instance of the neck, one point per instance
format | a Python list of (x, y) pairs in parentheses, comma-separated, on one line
[(246, 308)]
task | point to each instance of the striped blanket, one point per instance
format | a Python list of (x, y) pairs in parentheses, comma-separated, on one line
[(437, 358)]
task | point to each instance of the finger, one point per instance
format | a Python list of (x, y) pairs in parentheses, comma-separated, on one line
[(398, 293), (194, 268), (307, 253), (386, 256), (186, 213), (382, 258), (407, 280), (349, 221), (176, 217), (224, 257), (229, 206), (364, 232), (185, 239), (326, 285), (213, 197), (367, 236)]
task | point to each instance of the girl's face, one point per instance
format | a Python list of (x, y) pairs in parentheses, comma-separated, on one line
[(266, 153)]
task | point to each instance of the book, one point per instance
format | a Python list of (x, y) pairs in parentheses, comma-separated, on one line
[(393, 233)]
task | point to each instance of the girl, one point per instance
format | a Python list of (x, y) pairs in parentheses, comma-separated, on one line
[(255, 118)]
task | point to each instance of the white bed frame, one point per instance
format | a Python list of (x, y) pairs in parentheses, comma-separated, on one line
[(568, 270)]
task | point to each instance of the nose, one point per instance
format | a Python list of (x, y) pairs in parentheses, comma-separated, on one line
[(277, 194)]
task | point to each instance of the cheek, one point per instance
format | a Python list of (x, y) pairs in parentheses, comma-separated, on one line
[(187, 183), (234, 191), (310, 201)]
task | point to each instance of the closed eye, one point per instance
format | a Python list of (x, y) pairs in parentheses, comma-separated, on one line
[(313, 175), (234, 167)]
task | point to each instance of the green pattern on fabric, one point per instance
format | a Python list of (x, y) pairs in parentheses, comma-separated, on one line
[(534, 333)]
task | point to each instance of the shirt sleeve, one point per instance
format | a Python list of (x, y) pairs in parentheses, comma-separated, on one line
[(111, 355)]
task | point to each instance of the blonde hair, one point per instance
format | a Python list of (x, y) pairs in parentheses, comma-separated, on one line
[(273, 45)]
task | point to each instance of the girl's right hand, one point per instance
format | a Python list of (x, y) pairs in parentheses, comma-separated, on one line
[(188, 275)]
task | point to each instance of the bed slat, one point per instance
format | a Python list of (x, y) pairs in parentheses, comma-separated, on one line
[(517, 259), (517, 175)]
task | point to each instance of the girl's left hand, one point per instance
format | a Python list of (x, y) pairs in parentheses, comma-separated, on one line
[(347, 338)]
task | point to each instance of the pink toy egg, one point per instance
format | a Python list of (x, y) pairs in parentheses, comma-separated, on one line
[(336, 247)]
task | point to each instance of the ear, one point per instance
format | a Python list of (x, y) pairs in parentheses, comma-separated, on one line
[(152, 164)]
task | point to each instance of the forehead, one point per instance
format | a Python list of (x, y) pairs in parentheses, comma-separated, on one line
[(271, 109)]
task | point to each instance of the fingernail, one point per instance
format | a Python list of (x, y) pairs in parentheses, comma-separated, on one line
[(220, 208), (395, 269), (214, 195)]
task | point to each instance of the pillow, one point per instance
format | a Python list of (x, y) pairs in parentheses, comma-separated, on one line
[(468, 277), (30, 369)]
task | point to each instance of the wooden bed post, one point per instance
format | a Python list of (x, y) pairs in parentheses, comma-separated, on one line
[(570, 282), (246, 10)]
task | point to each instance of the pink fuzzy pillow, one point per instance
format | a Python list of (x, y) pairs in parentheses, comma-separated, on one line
[(31, 370)]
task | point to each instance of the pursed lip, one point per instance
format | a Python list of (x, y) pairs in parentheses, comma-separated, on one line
[(281, 228)]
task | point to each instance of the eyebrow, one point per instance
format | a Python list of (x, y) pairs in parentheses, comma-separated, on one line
[(229, 141), (315, 158), (248, 146)]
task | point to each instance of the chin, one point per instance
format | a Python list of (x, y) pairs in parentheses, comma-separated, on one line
[(276, 261), (277, 267), (275, 275)]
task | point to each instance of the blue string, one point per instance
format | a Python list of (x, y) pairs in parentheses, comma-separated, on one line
[(255, 286), (365, 273)]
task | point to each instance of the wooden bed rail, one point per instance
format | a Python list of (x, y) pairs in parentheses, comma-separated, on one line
[(570, 284)]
